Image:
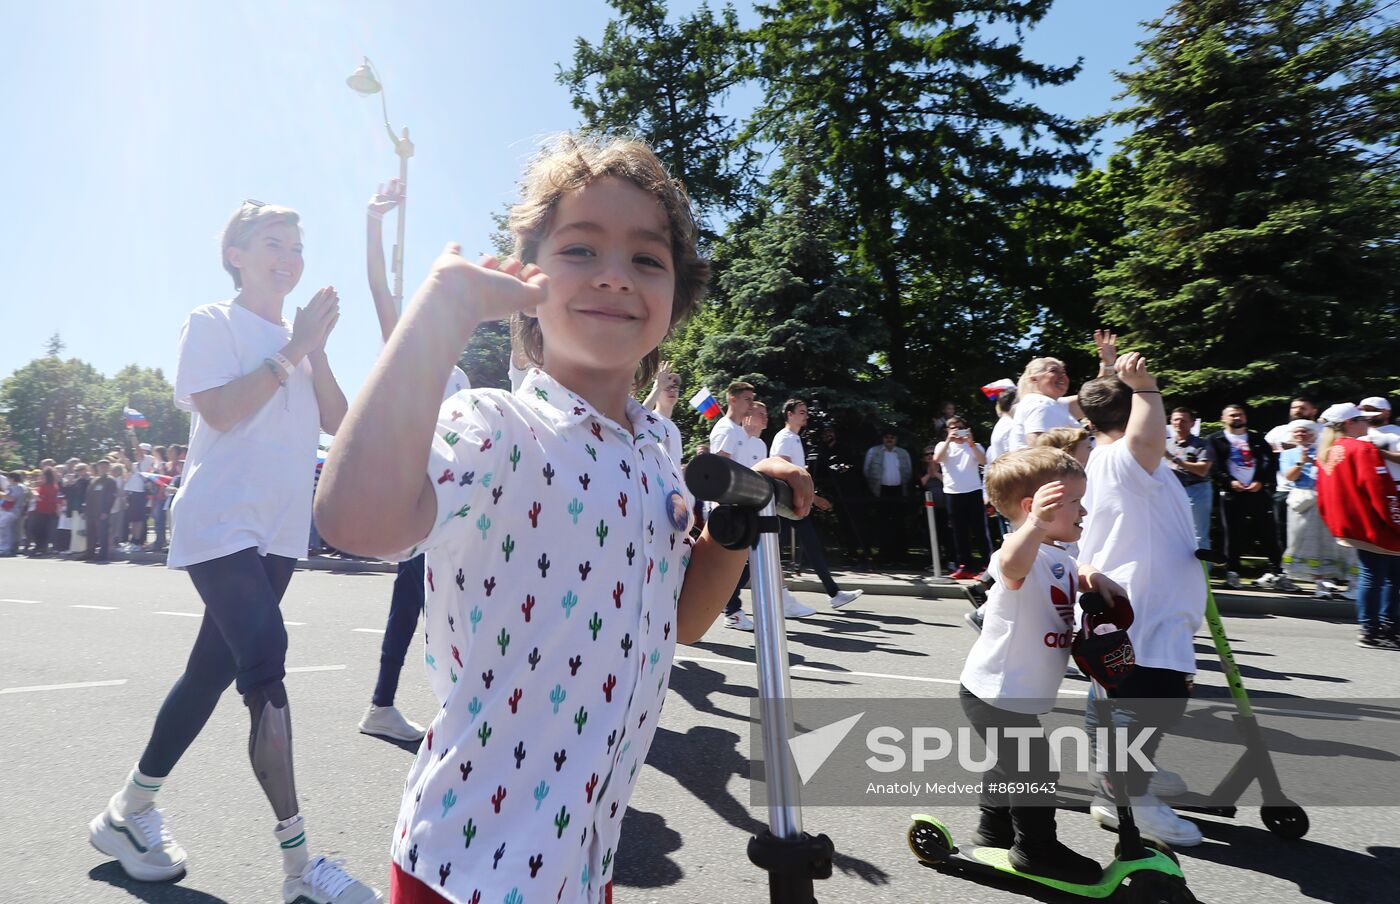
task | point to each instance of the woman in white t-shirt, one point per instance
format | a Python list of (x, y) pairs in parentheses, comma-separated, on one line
[(962, 460), (1041, 403), (260, 391)]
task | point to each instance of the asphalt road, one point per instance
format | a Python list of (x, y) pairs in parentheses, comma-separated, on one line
[(88, 652)]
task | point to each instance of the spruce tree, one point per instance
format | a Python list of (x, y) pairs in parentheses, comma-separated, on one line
[(1259, 254)]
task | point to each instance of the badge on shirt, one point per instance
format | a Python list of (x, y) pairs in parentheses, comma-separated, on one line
[(1057, 570), (677, 512)]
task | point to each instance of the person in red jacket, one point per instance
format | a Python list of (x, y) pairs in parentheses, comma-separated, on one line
[(45, 514), (1361, 506)]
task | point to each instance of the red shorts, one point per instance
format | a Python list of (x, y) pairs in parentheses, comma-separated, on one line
[(406, 889)]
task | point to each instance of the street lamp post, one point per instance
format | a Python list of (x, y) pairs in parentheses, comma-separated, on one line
[(365, 81)]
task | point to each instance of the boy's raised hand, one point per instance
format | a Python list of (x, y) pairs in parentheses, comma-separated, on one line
[(488, 290), (1046, 501), (1106, 341), (1132, 369)]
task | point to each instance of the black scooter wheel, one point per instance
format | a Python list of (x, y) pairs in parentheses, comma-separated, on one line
[(1149, 887), (1286, 821), (929, 842)]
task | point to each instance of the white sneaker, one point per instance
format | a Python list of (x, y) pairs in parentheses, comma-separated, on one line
[(1269, 581), (325, 882), (1154, 820), (739, 621), (1163, 783), (1321, 593), (974, 620), (843, 597), (388, 722), (140, 842), (794, 609), (1333, 589), (1232, 580)]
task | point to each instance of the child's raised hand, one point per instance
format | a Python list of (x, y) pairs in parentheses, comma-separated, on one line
[(386, 198), (1132, 369), (488, 290), (1106, 341), (797, 478), (1046, 501)]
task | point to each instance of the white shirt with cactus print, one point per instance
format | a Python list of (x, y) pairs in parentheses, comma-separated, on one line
[(553, 576)]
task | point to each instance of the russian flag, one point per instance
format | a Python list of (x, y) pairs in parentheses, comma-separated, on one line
[(704, 402), (135, 418), (993, 391)]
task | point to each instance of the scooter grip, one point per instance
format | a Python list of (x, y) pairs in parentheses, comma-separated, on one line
[(1092, 602), (714, 478), (1213, 556)]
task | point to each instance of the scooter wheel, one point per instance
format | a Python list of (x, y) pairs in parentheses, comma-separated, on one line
[(1153, 843), (1149, 887), (1286, 821), (930, 842)]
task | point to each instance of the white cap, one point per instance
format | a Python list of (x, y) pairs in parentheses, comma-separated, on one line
[(1310, 426), (145, 447), (1342, 412), (1375, 403)]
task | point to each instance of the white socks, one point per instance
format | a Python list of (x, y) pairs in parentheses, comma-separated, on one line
[(292, 836), (138, 793)]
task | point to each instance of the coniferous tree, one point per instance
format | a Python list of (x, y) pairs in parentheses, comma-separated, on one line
[(1259, 254)]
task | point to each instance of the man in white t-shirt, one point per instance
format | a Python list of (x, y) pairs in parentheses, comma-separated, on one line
[(1139, 532), (1244, 472), (1300, 408), (962, 459), (1383, 434), (787, 444), (889, 472)]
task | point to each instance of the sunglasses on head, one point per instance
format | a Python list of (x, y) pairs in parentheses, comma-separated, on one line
[(250, 202)]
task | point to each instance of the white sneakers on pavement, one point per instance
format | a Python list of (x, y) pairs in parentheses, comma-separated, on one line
[(1163, 783), (794, 609), (843, 597), (1154, 820), (388, 722), (739, 620), (1232, 580), (139, 841), (326, 882)]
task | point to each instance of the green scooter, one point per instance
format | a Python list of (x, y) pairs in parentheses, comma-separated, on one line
[(1138, 874)]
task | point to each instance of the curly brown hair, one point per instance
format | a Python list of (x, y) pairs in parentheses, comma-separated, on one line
[(570, 162)]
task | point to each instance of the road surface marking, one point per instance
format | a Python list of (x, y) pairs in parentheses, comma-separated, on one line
[(293, 622), (81, 606), (183, 614), (317, 668), (370, 630), (62, 687), (26, 602)]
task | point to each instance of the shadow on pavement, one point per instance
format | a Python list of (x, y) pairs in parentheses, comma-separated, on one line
[(156, 892), (1321, 872)]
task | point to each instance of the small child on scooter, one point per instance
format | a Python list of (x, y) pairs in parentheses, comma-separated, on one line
[(1014, 669)]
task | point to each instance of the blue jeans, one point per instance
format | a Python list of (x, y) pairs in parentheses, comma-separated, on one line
[(1377, 589), (404, 606), (1202, 498)]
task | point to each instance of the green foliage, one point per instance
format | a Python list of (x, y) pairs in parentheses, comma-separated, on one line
[(1258, 255), (60, 409), (665, 81)]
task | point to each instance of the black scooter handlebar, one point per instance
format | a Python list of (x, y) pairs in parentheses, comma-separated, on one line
[(714, 478)]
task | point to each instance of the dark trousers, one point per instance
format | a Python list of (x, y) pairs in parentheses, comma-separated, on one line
[(404, 606), (813, 553), (1032, 813), (1249, 525), (44, 526), (967, 513), (1148, 697), (1281, 517), (894, 541), (98, 527), (136, 517), (733, 605), (241, 641)]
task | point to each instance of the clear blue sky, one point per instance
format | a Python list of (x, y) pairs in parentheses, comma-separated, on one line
[(135, 128)]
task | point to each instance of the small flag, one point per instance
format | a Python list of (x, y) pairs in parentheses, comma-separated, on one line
[(135, 418), (993, 391), (704, 402)]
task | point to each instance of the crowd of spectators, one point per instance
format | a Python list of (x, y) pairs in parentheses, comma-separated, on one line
[(86, 509)]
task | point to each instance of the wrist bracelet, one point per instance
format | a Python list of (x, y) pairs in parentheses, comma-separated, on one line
[(284, 362), (277, 371)]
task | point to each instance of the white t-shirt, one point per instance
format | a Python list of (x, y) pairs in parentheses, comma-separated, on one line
[(961, 472), (1036, 413), (134, 482), (1241, 464), (726, 436), (249, 486), (889, 475), (1139, 532), (559, 550), (1001, 438), (1019, 659), (1387, 437), (789, 445), (751, 451)]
